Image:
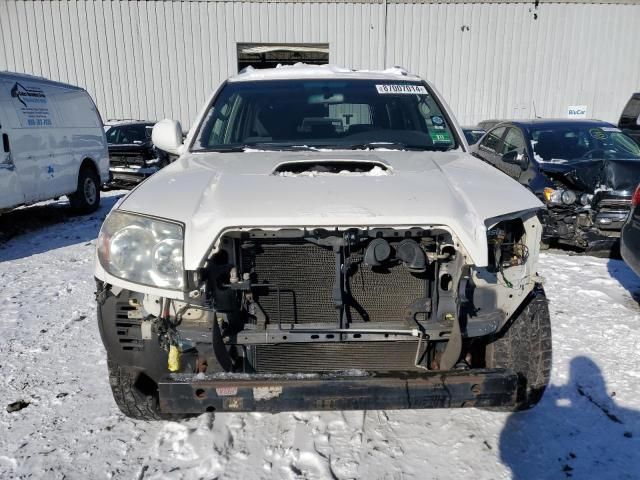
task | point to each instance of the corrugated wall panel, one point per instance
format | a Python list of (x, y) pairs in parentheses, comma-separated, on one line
[(497, 61), (143, 59)]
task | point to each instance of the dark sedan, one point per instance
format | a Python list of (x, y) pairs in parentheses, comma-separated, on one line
[(473, 134), (584, 170), (630, 239), (132, 156), (489, 124)]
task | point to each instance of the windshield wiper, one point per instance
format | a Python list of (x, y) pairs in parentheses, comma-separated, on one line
[(257, 146), (442, 148), (390, 145), (398, 146), (280, 146), (298, 148), (226, 148)]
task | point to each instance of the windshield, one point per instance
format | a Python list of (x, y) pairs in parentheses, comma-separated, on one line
[(340, 114), (124, 134), (582, 142)]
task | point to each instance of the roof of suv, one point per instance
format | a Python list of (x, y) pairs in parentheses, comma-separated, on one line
[(301, 70)]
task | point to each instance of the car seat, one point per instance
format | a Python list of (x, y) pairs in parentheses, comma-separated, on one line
[(547, 146)]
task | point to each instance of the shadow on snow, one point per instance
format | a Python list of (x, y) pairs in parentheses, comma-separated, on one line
[(577, 431), (41, 228), (621, 272)]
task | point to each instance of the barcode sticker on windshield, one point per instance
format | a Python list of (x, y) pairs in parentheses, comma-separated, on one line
[(404, 89)]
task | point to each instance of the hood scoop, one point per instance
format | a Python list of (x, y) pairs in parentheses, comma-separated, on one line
[(315, 168)]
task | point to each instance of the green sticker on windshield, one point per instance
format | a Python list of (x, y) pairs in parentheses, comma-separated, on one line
[(598, 134), (440, 137)]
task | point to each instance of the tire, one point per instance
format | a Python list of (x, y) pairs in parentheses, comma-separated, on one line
[(609, 248), (86, 198), (524, 346), (134, 403)]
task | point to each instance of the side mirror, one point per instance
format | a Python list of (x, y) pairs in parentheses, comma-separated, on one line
[(516, 158), (167, 136)]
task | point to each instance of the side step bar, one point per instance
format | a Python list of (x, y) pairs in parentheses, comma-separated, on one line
[(241, 392)]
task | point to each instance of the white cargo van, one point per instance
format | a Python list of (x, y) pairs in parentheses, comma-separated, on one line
[(52, 143)]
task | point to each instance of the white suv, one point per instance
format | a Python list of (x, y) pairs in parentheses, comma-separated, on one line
[(324, 241)]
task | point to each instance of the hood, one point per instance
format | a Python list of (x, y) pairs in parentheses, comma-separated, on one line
[(590, 175), (210, 192)]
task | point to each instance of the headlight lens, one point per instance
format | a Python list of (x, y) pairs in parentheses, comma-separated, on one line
[(585, 199), (568, 197), (142, 250)]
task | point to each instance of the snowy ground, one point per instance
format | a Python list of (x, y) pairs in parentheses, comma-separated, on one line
[(587, 426)]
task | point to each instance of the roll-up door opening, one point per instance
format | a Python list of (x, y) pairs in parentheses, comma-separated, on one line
[(270, 55)]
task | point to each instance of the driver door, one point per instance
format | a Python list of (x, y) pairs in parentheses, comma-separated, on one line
[(489, 149), (11, 194)]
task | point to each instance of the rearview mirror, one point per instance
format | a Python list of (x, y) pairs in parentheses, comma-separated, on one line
[(167, 136), (516, 158)]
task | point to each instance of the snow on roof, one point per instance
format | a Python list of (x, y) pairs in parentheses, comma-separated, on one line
[(125, 121), (258, 49), (302, 70)]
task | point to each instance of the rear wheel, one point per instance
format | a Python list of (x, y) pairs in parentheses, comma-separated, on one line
[(524, 346), (86, 198)]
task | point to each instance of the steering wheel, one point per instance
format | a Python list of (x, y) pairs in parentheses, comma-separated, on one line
[(591, 152)]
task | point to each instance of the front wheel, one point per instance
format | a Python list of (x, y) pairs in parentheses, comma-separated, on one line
[(524, 346), (86, 198), (134, 392)]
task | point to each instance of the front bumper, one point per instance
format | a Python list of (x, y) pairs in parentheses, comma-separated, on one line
[(582, 228), (129, 176), (195, 394)]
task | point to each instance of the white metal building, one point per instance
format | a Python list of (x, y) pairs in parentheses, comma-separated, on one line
[(500, 59)]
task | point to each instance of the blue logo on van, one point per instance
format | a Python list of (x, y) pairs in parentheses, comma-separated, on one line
[(32, 95)]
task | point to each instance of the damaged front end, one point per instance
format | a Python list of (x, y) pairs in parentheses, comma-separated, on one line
[(312, 319), (589, 202), (132, 164)]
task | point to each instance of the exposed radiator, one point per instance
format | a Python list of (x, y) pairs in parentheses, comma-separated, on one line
[(124, 160), (334, 356), (305, 274)]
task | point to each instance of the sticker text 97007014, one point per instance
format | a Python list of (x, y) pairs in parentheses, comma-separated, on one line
[(402, 89)]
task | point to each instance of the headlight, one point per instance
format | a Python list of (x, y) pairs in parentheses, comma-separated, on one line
[(142, 250), (585, 199), (568, 197), (558, 197)]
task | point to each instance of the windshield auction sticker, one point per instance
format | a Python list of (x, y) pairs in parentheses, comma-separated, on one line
[(402, 89), (440, 137), (32, 105), (598, 134)]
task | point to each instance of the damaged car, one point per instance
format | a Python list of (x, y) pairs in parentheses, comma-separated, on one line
[(132, 155), (324, 241), (585, 171), (473, 134)]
